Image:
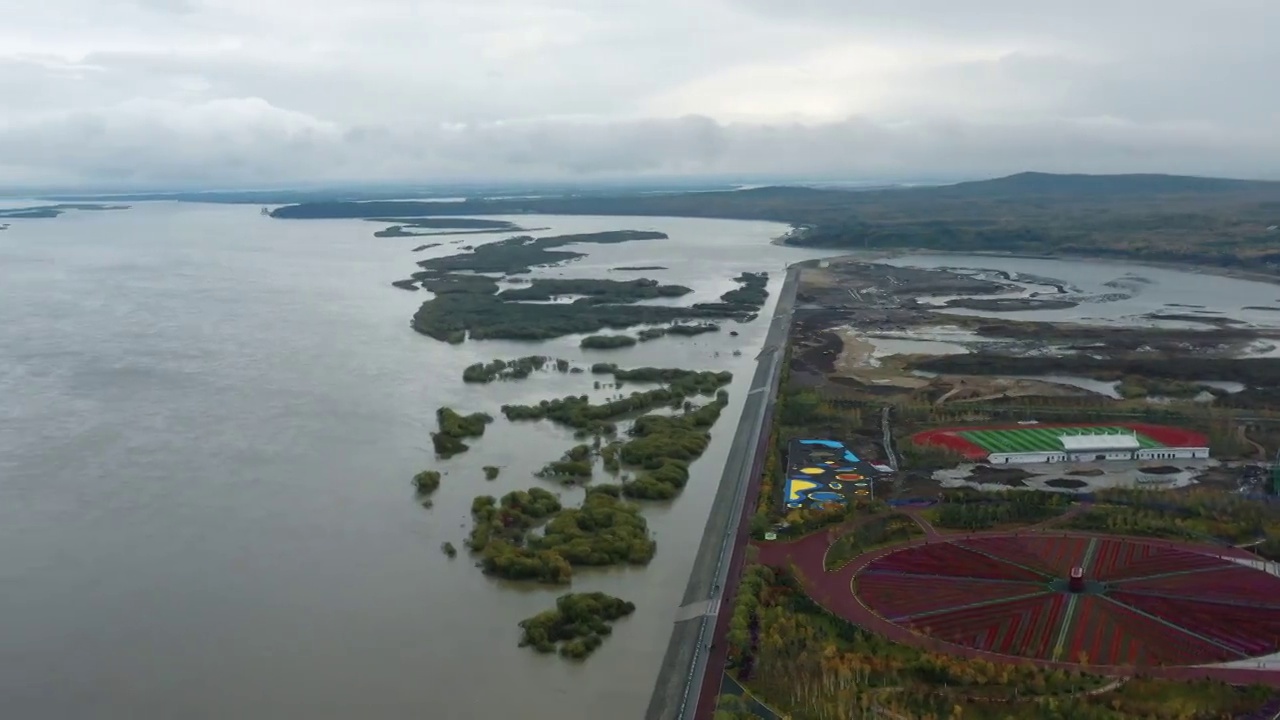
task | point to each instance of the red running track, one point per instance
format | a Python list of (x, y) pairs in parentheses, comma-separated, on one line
[(949, 437)]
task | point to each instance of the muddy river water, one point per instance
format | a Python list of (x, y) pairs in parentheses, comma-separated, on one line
[(208, 422)]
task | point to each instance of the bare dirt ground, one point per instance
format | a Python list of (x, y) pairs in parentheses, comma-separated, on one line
[(1113, 474), (845, 308), (856, 361)]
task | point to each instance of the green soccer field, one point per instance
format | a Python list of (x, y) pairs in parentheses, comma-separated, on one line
[(1042, 439)]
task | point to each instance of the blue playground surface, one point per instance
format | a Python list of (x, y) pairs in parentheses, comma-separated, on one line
[(825, 471)]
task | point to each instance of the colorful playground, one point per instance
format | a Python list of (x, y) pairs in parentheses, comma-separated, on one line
[(976, 443), (825, 471)]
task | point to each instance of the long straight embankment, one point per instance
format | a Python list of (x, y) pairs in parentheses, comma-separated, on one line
[(691, 662)]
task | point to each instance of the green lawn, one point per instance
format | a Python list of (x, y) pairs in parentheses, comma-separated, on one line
[(1041, 439)]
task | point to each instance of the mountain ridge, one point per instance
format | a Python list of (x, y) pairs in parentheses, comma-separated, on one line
[(1043, 183)]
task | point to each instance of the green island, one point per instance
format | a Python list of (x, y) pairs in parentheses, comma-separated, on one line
[(449, 283), (491, 472), (44, 212), (579, 413), (605, 530), (454, 428), (688, 382), (470, 304), (606, 342), (510, 518), (752, 291), (576, 463), (520, 254), (470, 308), (405, 227), (517, 369), (397, 231), (658, 447), (427, 481), (593, 291), (663, 446), (680, 329), (576, 626)]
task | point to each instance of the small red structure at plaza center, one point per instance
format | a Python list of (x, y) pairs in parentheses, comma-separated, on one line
[(1075, 582)]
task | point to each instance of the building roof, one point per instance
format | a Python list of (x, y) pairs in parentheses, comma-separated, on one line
[(1085, 443)]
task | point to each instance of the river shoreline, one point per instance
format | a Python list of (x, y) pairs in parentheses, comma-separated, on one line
[(888, 254), (156, 390)]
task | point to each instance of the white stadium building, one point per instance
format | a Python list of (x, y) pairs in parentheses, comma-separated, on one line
[(1097, 447)]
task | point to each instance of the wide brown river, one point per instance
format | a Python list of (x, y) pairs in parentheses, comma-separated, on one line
[(208, 423)]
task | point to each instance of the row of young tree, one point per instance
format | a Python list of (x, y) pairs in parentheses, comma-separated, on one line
[(1194, 514), (962, 510)]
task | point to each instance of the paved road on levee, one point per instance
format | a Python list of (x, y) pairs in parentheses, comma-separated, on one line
[(689, 678)]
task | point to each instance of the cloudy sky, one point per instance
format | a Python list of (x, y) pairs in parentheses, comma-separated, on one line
[(259, 92)]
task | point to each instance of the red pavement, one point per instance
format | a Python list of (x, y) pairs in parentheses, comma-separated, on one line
[(719, 653), (833, 591)]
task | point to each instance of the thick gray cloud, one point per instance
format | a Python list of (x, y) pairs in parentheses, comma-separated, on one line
[(229, 92)]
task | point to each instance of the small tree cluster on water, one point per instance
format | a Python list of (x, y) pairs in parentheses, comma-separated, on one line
[(577, 625)]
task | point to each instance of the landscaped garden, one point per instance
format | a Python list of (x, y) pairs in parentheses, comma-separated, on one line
[(807, 663), (980, 619), (1142, 604)]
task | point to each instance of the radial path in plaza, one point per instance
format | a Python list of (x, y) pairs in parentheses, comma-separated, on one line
[(1133, 603)]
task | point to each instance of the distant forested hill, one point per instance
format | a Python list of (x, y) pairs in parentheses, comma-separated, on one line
[(1033, 184), (1160, 217), (773, 203)]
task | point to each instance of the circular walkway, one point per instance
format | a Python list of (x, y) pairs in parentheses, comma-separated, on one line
[(832, 589), (1139, 604)]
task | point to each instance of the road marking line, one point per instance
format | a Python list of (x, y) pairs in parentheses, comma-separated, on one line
[(695, 609)]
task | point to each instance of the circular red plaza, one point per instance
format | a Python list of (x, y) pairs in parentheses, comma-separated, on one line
[(1133, 603)]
